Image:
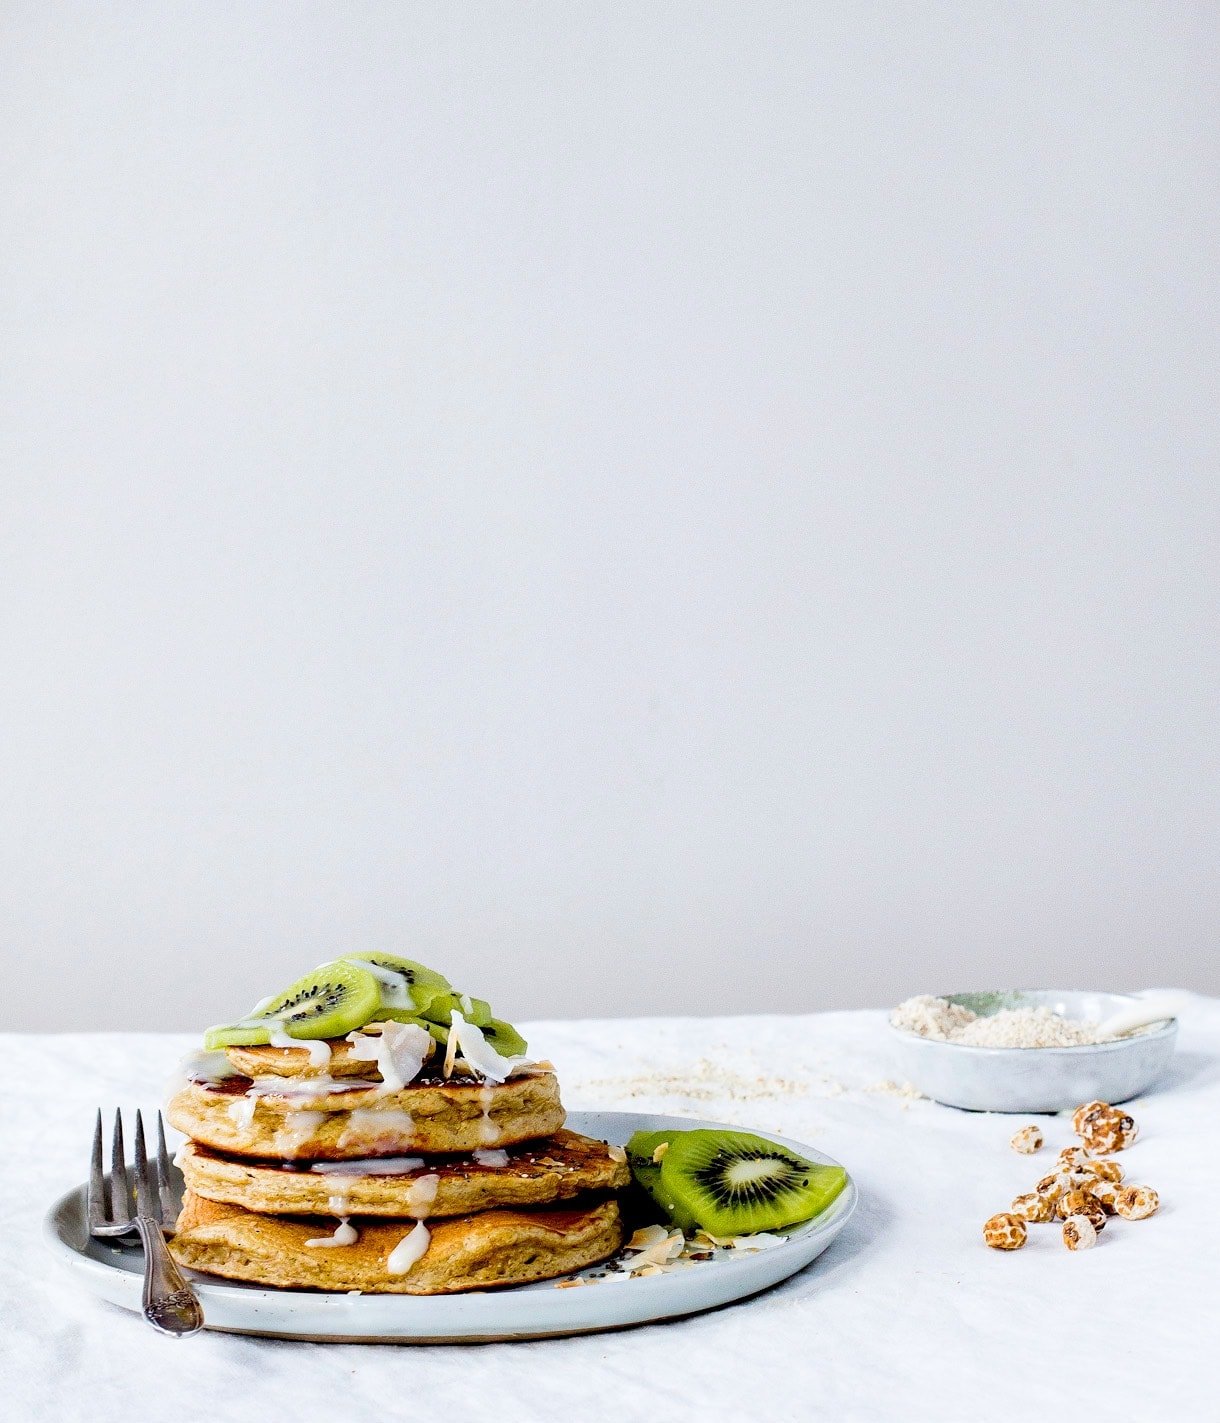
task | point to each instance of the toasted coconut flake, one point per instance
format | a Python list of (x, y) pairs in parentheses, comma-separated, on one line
[(659, 1154), (646, 1237), (616, 1153), (660, 1247), (763, 1240)]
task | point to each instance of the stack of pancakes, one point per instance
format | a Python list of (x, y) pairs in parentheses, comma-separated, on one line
[(315, 1175)]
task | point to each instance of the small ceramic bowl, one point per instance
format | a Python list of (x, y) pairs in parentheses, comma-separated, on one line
[(1039, 1079)]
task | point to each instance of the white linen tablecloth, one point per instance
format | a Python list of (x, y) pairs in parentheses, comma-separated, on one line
[(908, 1315)]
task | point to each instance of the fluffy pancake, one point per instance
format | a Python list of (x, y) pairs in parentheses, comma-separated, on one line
[(294, 1061), (290, 1122), (499, 1247), (536, 1174)]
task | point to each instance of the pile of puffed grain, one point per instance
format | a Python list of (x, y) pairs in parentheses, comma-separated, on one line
[(944, 1021), (1082, 1190)]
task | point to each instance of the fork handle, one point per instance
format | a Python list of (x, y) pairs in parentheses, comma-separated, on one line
[(169, 1302)]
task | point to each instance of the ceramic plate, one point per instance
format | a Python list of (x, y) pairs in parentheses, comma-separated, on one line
[(112, 1271)]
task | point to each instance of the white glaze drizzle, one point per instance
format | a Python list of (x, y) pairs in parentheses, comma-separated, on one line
[(345, 1234), (268, 1084), (497, 1157), (296, 1130), (370, 1166), (374, 1125), (489, 1133), (205, 1066), (409, 1250), (317, 1048), (241, 1110), (398, 994), (421, 1194)]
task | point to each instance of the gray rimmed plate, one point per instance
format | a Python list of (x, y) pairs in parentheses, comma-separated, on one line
[(1044, 1079), (112, 1271)]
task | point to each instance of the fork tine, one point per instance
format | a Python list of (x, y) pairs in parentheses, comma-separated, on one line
[(146, 1202), (97, 1179), (169, 1200), (120, 1192)]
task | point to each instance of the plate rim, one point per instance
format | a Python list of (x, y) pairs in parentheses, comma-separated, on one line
[(669, 1302)]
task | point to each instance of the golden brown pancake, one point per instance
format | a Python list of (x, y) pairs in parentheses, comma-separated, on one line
[(430, 1115), (499, 1247), (294, 1061), (538, 1173)]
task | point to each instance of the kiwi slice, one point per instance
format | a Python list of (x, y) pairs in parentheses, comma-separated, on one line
[(404, 1015), (405, 984), (330, 1001), (506, 1040), (647, 1174), (252, 1032), (474, 1010), (734, 1183)]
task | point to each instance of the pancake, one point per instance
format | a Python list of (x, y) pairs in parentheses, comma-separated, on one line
[(557, 1169), (294, 1061), (493, 1248), (292, 1122)]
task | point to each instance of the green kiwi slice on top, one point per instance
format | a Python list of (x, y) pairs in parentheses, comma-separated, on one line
[(506, 1040), (734, 1183), (474, 1010), (405, 984), (327, 1003)]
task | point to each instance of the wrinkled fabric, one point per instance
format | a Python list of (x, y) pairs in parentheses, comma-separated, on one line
[(908, 1315)]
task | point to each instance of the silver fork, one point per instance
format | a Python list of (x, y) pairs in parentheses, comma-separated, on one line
[(169, 1302)]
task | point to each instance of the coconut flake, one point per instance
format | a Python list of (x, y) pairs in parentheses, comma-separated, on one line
[(763, 1240), (478, 1052), (400, 1051), (657, 1247)]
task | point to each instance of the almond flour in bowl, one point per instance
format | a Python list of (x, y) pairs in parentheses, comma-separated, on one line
[(949, 1020), (1038, 1050)]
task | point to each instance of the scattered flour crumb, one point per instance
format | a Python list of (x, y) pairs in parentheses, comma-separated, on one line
[(907, 1091), (703, 1081)]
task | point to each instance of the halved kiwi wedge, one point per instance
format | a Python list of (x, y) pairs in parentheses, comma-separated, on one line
[(327, 1003), (647, 1173), (405, 984), (734, 1183)]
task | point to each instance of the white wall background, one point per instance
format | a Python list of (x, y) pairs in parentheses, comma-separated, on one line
[(685, 507)]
